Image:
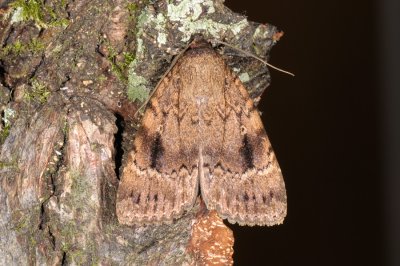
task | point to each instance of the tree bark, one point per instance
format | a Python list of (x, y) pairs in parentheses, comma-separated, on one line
[(72, 76)]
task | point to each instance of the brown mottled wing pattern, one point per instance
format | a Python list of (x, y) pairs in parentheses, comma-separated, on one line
[(160, 180), (244, 182), (201, 126)]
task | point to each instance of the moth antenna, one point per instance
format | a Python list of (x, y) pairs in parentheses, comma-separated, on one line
[(161, 79), (255, 57)]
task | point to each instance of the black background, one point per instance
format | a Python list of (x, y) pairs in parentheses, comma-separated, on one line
[(327, 130)]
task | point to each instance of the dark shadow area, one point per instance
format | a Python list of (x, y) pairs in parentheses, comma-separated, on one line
[(324, 127), (119, 151), (2, 73)]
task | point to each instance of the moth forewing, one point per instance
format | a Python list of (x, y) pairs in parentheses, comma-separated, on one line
[(201, 128)]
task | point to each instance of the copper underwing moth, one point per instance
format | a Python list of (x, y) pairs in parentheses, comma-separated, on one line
[(201, 131)]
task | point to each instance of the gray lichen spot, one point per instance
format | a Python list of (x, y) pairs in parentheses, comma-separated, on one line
[(191, 9), (162, 38), (188, 13), (238, 27), (261, 33), (148, 20), (160, 27), (213, 28), (9, 114), (139, 50)]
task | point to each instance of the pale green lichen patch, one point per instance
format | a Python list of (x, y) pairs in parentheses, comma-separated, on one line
[(160, 27), (137, 87), (244, 77), (137, 84), (8, 115), (157, 22), (261, 32), (17, 16), (162, 38), (39, 92)]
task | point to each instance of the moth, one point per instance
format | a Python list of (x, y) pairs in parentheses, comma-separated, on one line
[(201, 132)]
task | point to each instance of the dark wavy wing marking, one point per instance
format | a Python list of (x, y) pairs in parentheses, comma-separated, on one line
[(158, 184), (245, 185)]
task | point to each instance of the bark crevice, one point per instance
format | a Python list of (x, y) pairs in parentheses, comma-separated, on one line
[(119, 151)]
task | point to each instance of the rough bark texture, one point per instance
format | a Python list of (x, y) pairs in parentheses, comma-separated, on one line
[(72, 75)]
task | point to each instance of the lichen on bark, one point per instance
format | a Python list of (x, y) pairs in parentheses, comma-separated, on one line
[(165, 28)]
